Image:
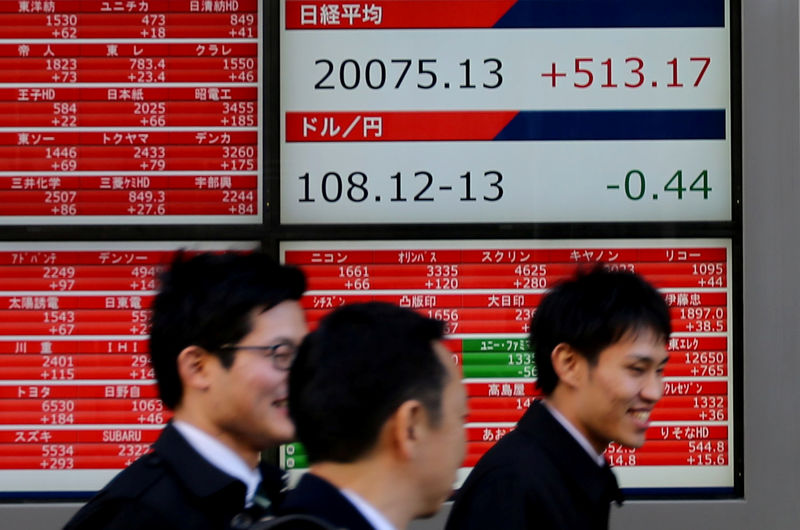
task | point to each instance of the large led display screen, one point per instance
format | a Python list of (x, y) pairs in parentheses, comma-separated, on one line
[(78, 399), (145, 112), (487, 291)]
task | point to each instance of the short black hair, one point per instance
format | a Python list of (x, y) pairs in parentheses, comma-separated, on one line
[(353, 372), (207, 300), (591, 311)]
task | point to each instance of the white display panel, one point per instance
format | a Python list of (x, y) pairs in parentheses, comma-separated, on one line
[(525, 117)]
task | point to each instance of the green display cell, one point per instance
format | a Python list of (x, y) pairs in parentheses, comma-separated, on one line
[(509, 344), (497, 359), (296, 462), (294, 449), (504, 372)]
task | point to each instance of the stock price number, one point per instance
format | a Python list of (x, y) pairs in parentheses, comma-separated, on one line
[(238, 114), (707, 459), (441, 277), (520, 359), (622, 460), (425, 187), (58, 374), (242, 26), (530, 277), (635, 185), (449, 317), (587, 73), (241, 69), (153, 418), (57, 450), (147, 405), (705, 357), (709, 402), (524, 314), (353, 271), (707, 446), (64, 70), (154, 26), (58, 463), (64, 115), (58, 418), (709, 370), (377, 74), (132, 450), (153, 114), (147, 202), (619, 455), (64, 25)]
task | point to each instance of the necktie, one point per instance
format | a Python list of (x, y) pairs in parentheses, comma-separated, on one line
[(261, 500), (261, 507)]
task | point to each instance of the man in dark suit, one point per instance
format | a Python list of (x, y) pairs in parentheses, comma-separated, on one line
[(599, 343), (380, 408), (224, 330)]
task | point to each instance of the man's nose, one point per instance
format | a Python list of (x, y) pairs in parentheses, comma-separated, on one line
[(653, 387)]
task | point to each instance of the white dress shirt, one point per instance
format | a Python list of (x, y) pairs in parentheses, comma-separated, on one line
[(373, 516), (579, 437), (221, 456)]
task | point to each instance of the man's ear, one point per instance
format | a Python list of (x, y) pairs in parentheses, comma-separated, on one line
[(568, 364), (407, 428), (194, 364)]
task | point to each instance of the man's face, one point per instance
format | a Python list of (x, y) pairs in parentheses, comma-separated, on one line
[(445, 446), (250, 398), (617, 394)]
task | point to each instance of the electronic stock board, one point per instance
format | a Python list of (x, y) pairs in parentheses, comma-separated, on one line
[(456, 157), (598, 115), (113, 114)]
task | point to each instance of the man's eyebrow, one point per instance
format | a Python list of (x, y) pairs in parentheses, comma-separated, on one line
[(641, 357)]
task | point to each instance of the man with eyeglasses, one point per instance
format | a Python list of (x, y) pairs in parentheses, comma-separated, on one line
[(224, 331)]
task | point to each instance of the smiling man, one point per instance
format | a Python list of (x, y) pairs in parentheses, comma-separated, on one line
[(599, 343), (225, 329)]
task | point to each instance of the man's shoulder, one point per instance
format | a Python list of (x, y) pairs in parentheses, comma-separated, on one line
[(512, 452), (317, 497), (519, 458), (514, 462), (164, 488), (498, 491), (138, 478), (127, 491)]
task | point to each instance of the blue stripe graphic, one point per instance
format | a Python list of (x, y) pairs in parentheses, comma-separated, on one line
[(614, 14), (616, 125)]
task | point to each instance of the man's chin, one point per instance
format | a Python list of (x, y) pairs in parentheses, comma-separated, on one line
[(632, 442), (283, 435), (427, 514)]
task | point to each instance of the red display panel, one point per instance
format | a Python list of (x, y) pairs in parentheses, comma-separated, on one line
[(78, 400), (487, 292), (130, 112)]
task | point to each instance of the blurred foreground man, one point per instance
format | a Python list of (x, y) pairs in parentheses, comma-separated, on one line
[(599, 343), (380, 408), (225, 329)]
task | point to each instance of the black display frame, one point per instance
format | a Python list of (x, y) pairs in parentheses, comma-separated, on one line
[(271, 232)]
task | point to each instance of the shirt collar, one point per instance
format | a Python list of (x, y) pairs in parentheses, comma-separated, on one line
[(221, 456), (575, 433), (372, 515)]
